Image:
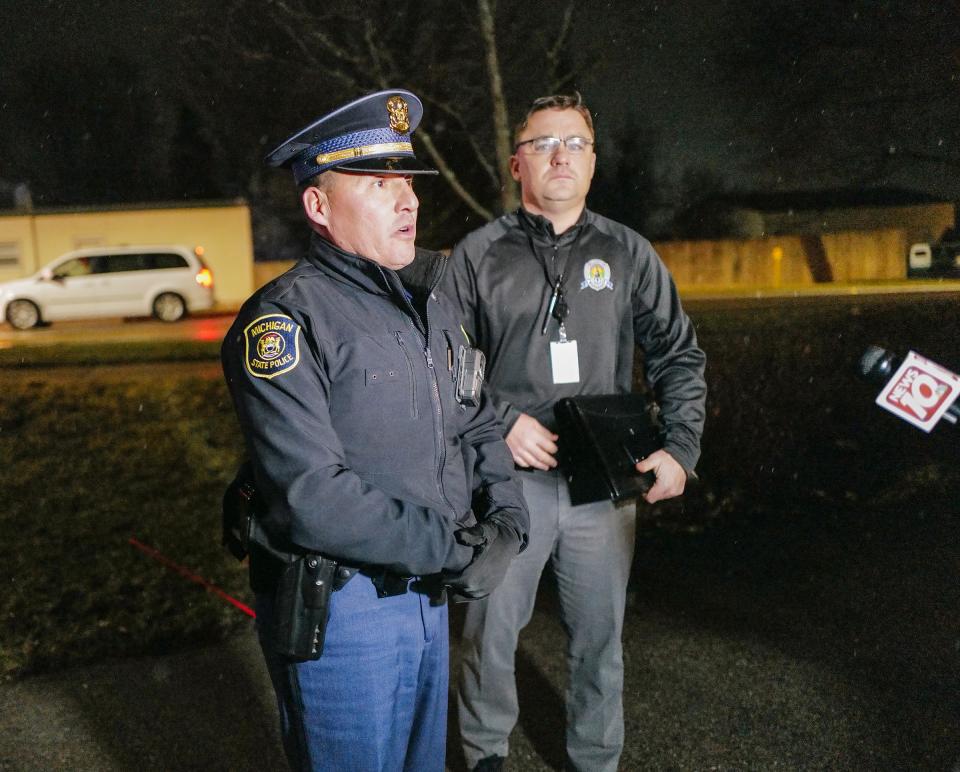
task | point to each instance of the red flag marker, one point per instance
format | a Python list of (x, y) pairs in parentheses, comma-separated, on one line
[(186, 573)]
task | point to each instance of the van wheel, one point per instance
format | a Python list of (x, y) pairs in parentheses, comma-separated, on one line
[(23, 314), (169, 307)]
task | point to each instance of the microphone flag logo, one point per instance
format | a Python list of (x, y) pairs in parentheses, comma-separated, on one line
[(920, 391)]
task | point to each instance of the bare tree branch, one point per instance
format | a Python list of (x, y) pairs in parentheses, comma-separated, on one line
[(501, 126), (308, 22), (450, 176), (558, 78), (374, 52), (379, 55), (482, 157), (284, 52)]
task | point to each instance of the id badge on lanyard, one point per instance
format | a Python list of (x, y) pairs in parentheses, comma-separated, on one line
[(564, 360)]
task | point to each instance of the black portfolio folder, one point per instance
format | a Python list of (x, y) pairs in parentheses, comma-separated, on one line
[(601, 440)]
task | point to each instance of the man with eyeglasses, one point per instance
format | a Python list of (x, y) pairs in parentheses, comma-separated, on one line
[(559, 297)]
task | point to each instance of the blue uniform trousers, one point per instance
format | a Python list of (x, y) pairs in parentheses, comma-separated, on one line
[(377, 697)]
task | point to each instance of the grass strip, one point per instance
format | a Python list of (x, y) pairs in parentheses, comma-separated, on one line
[(91, 465), (112, 352), (92, 462)]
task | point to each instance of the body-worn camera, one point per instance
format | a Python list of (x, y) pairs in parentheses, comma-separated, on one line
[(470, 364)]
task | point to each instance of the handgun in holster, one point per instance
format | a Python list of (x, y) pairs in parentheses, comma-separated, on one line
[(302, 606), (302, 595)]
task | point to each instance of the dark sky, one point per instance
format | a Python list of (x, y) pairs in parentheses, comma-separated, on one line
[(770, 105), (655, 61), (662, 69), (51, 28), (658, 63)]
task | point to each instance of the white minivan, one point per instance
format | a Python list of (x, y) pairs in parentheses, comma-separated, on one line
[(165, 281)]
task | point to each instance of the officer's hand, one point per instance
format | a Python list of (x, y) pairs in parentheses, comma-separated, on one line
[(671, 477), (494, 544), (532, 444)]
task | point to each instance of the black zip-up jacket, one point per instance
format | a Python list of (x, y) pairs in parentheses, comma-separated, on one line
[(620, 296), (342, 379)]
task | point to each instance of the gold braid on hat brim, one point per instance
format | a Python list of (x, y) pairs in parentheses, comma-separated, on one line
[(359, 152)]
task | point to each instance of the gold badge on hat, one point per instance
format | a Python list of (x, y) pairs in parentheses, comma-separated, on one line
[(399, 115)]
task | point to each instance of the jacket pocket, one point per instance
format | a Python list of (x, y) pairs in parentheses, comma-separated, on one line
[(408, 354), (382, 376)]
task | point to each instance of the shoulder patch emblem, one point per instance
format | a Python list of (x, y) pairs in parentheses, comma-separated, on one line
[(596, 275), (273, 346)]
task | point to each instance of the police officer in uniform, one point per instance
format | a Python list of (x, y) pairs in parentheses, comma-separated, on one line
[(365, 453)]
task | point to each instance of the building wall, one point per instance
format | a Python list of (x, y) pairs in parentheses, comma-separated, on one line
[(265, 270), (17, 247), (782, 261), (756, 263), (223, 232), (919, 222)]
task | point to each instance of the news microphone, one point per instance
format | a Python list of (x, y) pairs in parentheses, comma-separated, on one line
[(915, 389), (877, 364)]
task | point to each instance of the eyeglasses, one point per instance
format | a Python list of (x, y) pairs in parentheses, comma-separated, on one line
[(550, 145)]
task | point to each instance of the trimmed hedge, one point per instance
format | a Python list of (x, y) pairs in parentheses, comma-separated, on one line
[(144, 456), (94, 458), (790, 421)]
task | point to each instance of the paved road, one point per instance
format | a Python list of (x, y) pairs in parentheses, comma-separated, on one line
[(197, 328), (818, 640), (212, 327)]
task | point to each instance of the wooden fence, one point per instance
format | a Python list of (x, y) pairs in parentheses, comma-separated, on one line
[(781, 261), (785, 261)]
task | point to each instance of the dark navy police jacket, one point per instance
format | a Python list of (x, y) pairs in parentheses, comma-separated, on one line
[(342, 375)]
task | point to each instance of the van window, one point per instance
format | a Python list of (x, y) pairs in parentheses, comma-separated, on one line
[(137, 262), (78, 266), (168, 260), (118, 263)]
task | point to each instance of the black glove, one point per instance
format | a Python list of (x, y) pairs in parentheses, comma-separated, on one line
[(494, 544)]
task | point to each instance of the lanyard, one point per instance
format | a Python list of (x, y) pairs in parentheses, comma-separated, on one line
[(557, 305)]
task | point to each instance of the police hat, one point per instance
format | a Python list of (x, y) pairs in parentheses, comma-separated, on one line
[(370, 134)]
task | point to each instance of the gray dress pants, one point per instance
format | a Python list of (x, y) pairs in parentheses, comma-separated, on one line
[(591, 548)]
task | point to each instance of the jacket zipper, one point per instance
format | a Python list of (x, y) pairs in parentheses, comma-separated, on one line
[(414, 409), (438, 424), (435, 398)]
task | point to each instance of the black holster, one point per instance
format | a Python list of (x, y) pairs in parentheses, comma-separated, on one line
[(238, 512), (302, 605)]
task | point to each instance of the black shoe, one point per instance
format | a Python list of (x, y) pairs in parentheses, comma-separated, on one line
[(490, 764)]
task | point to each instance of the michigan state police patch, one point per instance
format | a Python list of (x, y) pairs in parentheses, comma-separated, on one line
[(273, 345)]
